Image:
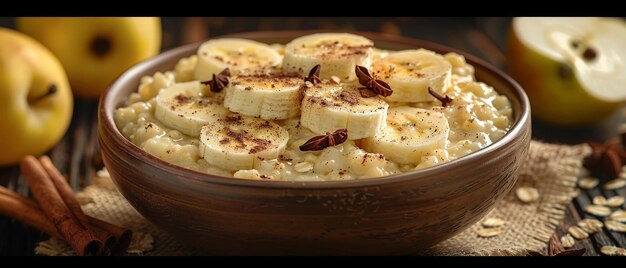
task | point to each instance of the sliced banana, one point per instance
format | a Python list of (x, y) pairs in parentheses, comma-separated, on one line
[(336, 53), (184, 107), (410, 134), (411, 72), (233, 53), (268, 95), (327, 107), (239, 142)]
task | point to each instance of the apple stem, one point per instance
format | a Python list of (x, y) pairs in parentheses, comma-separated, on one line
[(51, 90)]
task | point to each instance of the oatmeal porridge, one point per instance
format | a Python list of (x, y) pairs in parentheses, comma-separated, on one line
[(322, 107)]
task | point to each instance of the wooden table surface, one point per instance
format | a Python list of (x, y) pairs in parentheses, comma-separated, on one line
[(77, 155)]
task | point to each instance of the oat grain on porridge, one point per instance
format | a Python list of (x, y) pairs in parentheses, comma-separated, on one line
[(417, 109)]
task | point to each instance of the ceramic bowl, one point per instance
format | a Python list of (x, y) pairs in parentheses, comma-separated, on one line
[(397, 214)]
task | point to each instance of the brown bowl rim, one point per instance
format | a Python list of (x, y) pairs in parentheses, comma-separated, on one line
[(108, 126)]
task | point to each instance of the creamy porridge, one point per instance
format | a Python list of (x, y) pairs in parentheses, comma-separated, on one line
[(260, 119)]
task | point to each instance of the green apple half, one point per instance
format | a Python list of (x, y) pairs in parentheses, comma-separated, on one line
[(573, 69)]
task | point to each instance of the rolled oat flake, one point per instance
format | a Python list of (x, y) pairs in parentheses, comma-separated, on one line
[(527, 194), (613, 251)]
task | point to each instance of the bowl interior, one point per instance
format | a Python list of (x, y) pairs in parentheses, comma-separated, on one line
[(129, 81)]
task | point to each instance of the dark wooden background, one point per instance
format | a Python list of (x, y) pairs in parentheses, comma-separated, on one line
[(77, 155)]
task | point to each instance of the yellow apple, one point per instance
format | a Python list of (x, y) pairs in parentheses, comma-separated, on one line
[(35, 98), (573, 69), (95, 51)]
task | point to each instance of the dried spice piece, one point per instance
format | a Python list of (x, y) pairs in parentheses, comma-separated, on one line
[(527, 194), (613, 251), (593, 159), (367, 93), (567, 241), (611, 163), (322, 142), (555, 248), (380, 87), (219, 81), (606, 159), (314, 75), (445, 100)]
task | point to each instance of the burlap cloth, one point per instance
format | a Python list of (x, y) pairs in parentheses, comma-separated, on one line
[(552, 169)]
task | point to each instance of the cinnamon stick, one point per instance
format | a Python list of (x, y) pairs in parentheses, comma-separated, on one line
[(26, 210), (14, 208), (67, 194), (123, 235), (75, 234)]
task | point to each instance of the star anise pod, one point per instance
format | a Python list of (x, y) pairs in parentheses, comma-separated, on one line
[(314, 75), (322, 142), (606, 159), (219, 81), (367, 93), (445, 100), (555, 248), (367, 80)]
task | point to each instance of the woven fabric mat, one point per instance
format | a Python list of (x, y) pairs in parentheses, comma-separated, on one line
[(551, 169)]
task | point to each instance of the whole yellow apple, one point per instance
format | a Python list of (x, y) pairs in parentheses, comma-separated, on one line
[(571, 68), (35, 98), (95, 51)]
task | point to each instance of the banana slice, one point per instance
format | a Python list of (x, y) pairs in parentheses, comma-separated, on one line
[(336, 53), (410, 134), (234, 53), (327, 107), (268, 95), (411, 72), (238, 142), (184, 107)]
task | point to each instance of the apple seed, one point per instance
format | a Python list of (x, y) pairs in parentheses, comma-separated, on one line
[(590, 54)]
